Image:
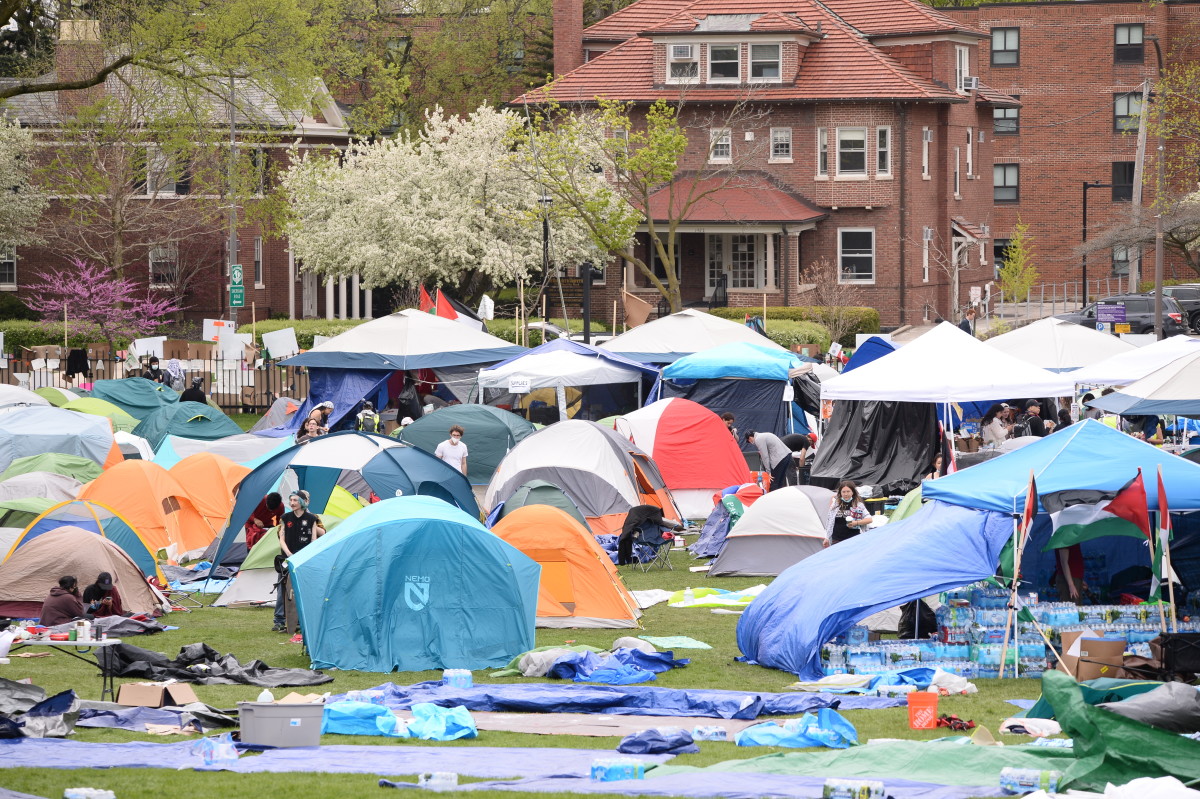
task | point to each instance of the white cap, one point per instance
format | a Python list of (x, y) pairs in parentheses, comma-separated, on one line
[(406, 421)]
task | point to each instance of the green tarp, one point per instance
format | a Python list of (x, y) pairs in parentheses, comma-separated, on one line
[(1104, 689)]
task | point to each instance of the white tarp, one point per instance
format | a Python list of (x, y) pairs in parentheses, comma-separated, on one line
[(671, 337), (561, 368), (946, 365), (1130, 366), (1059, 345)]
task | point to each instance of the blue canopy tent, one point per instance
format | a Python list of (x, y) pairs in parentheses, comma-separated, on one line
[(747, 380), (412, 583), (939, 548), (390, 468)]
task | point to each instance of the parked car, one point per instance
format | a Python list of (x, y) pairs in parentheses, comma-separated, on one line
[(1139, 314), (1188, 297)]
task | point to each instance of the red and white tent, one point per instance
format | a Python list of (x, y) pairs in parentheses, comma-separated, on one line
[(695, 452)]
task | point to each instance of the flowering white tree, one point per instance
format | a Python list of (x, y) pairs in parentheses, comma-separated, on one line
[(23, 204), (440, 206)]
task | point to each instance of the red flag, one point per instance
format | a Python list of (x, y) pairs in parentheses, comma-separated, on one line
[(444, 309), (426, 304), (1130, 504), (1164, 513), (1031, 507)]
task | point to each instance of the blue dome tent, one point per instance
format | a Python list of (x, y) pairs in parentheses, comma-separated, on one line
[(412, 583)]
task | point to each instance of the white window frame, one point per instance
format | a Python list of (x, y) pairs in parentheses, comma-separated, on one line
[(8, 255), (925, 242), (777, 61), (841, 255), (764, 259), (258, 262), (822, 152), (737, 48), (168, 252), (970, 154), (926, 136), (781, 136), (957, 175), (720, 138), (694, 61), (852, 174), (158, 173), (962, 68), (883, 151)]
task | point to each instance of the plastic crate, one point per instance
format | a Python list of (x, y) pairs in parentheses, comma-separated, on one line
[(270, 724)]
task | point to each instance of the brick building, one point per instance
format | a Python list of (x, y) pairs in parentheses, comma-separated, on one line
[(165, 246), (867, 142), (1078, 69)]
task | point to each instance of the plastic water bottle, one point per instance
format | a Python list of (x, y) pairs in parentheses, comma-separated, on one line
[(439, 781), (852, 789), (88, 793), (266, 696), (688, 595), (1028, 780), (710, 733)]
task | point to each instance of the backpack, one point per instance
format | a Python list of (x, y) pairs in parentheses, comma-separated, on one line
[(368, 422), (1020, 427)]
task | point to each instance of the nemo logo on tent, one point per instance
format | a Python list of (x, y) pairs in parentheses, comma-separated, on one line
[(416, 591)]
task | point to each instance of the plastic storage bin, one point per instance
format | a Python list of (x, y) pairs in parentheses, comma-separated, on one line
[(269, 724)]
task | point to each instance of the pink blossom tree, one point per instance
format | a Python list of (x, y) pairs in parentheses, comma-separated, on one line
[(91, 300)]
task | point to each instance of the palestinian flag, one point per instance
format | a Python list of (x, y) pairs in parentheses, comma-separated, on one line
[(1080, 515), (426, 303)]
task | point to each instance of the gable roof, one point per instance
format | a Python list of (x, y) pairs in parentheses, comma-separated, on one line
[(896, 18), (746, 197)]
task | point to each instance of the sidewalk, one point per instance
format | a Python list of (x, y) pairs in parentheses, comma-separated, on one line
[(1004, 317)]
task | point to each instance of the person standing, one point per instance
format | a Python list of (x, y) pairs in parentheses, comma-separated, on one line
[(152, 372), (1032, 421), (774, 455), (799, 444), (967, 325), (321, 414), (367, 420), (729, 419), (195, 393), (102, 598), (454, 450), (994, 425), (847, 514), (309, 430), (297, 529), (174, 375)]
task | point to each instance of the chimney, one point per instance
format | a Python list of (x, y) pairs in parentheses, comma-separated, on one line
[(79, 53), (568, 35)]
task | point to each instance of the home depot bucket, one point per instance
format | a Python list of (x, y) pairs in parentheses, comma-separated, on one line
[(922, 710)]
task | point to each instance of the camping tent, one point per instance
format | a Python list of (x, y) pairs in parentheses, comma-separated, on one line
[(27, 577), (137, 396), (562, 364), (154, 503), (1172, 389), (132, 446), (277, 415), (48, 485), (244, 448), (95, 518), (692, 447), (211, 482), (602, 472), (748, 380), (579, 586), (1058, 345), (490, 434), (58, 396), (390, 468), (1128, 367), (17, 397), (34, 431), (783, 527), (74, 466), (670, 338), (413, 583), (186, 420), (537, 492), (945, 365), (121, 421), (870, 350), (939, 548)]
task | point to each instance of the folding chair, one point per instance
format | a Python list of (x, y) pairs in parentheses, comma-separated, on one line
[(652, 535), (178, 598)]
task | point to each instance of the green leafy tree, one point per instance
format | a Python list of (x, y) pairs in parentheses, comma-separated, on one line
[(1019, 273), (23, 203)]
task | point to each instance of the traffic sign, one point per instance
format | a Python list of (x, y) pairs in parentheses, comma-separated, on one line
[(237, 296), (235, 274)]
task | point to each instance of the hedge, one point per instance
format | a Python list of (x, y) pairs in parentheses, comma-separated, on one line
[(506, 328), (787, 333), (863, 320), (20, 333), (305, 328)]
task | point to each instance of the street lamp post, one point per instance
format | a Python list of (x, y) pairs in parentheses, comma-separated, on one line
[(1158, 220), (589, 273), (1086, 185), (545, 200)]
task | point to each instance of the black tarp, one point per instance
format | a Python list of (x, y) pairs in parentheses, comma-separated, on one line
[(200, 663), (886, 444), (757, 405)]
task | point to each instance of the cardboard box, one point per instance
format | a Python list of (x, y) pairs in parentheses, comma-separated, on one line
[(1098, 657), (46, 351), (99, 352), (202, 350), (175, 348), (155, 694), (270, 724)]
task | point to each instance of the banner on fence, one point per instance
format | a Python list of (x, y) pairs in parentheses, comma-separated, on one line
[(214, 327)]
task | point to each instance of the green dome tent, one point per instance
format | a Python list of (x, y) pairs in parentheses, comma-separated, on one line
[(137, 396), (76, 466), (121, 421), (490, 434), (539, 492), (188, 420)]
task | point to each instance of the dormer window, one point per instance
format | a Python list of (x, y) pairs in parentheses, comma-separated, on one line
[(764, 62), (724, 63), (682, 66)]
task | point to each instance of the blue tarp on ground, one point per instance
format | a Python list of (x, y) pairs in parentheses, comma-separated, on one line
[(413, 583), (1086, 455), (940, 547), (623, 701)]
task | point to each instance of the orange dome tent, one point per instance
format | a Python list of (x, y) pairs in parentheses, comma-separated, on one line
[(210, 481), (154, 502), (579, 585)]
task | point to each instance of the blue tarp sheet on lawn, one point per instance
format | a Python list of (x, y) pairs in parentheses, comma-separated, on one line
[(630, 701)]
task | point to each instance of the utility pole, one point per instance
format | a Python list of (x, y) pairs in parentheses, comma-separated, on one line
[(1158, 203), (233, 241)]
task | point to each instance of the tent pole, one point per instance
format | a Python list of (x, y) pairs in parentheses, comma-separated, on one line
[(1009, 622)]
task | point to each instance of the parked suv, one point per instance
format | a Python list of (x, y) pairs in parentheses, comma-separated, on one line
[(1139, 314), (1188, 297)]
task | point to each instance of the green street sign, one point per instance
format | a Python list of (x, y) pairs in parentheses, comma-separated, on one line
[(237, 296), (235, 274)]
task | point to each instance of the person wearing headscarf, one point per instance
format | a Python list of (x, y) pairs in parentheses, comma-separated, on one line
[(297, 529), (195, 393), (174, 377), (322, 413), (102, 598)]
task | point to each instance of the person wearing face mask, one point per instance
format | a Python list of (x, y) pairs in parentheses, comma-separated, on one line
[(297, 529), (847, 514), (454, 450)]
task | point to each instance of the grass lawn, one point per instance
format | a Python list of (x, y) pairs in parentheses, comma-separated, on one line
[(246, 634)]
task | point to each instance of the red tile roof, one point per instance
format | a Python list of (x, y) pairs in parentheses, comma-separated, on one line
[(744, 197), (897, 18), (633, 19), (989, 96)]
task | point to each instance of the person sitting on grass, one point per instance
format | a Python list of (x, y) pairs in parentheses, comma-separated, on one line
[(102, 597), (63, 604)]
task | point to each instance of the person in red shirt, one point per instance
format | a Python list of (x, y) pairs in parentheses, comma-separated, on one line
[(264, 517)]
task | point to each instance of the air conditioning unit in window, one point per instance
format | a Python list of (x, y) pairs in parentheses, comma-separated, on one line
[(927, 135), (682, 52), (970, 83), (928, 234)]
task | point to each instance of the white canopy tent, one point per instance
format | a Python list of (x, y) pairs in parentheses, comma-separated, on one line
[(559, 370), (946, 365), (1058, 345), (1132, 366), (1172, 389), (669, 338)]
